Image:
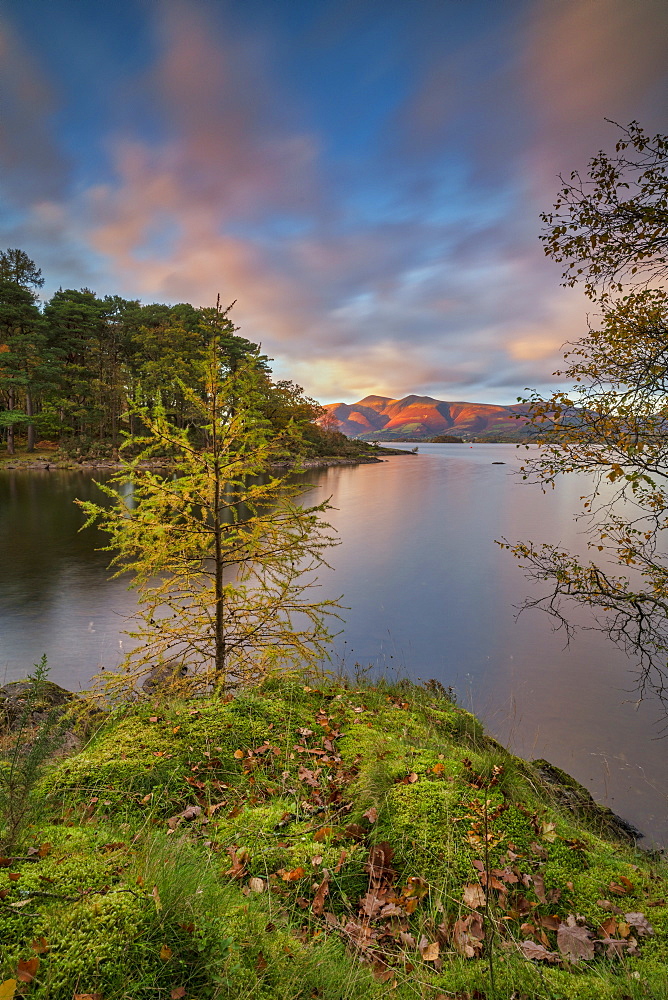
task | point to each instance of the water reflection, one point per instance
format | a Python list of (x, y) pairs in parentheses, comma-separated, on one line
[(429, 595)]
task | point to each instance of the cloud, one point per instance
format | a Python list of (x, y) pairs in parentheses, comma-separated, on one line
[(32, 165), (413, 265)]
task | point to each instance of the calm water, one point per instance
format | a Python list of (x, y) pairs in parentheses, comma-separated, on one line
[(429, 593)]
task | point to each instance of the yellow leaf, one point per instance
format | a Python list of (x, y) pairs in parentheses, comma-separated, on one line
[(431, 952), (238, 754), (165, 953), (7, 989)]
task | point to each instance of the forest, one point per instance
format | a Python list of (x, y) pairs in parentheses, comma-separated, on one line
[(75, 369)]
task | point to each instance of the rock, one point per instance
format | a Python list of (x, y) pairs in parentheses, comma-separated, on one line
[(570, 794), (164, 675), (13, 699)]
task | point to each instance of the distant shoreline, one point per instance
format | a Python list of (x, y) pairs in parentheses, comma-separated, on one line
[(43, 463)]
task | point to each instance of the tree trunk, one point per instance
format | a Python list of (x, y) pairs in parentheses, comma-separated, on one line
[(10, 428), (31, 426), (218, 556)]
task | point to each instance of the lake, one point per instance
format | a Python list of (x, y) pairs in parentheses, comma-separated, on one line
[(429, 595)]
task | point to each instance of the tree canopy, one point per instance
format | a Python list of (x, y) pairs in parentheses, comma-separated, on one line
[(612, 225), (611, 232), (223, 555), (74, 370)]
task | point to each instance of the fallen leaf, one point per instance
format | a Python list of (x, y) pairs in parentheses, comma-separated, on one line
[(538, 952), (431, 952), (8, 989), (27, 970), (372, 903), (438, 768), (239, 754), (156, 898), (40, 946), (44, 850), (474, 896), (166, 953), (191, 812), (308, 777), (605, 904), (468, 935), (321, 892), (548, 831), (539, 887), (292, 876), (355, 831), (87, 996), (371, 814), (623, 889), (14, 876), (574, 941), (261, 962), (322, 834), (640, 923), (177, 993), (256, 884)]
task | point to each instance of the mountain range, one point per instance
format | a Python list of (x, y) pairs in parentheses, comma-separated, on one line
[(417, 418)]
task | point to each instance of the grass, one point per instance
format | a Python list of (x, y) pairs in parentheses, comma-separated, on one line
[(315, 839)]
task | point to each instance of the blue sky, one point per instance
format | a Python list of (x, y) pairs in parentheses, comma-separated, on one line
[(363, 177)]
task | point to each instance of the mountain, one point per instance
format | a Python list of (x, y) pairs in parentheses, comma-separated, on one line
[(420, 417)]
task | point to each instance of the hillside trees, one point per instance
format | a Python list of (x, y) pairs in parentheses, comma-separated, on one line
[(222, 554), (76, 369), (16, 265), (28, 369), (610, 231)]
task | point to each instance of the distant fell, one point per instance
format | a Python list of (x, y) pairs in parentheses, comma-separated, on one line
[(418, 418)]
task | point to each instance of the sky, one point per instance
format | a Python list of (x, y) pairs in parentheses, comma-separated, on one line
[(363, 178)]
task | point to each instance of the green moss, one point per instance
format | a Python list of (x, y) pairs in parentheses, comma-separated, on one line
[(306, 777)]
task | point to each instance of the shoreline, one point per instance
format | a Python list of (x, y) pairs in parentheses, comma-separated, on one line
[(43, 464)]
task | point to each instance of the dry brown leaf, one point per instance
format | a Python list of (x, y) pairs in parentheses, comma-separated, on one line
[(166, 953), (27, 969), (539, 887), (538, 952), (239, 754), (473, 896), (292, 876), (86, 996), (321, 892), (468, 935), (177, 993), (371, 814), (574, 941), (549, 922), (640, 923), (256, 884), (431, 952), (372, 903), (40, 946)]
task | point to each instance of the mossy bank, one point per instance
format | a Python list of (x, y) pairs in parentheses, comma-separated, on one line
[(311, 839)]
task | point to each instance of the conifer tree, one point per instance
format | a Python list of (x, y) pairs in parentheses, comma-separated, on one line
[(222, 554)]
